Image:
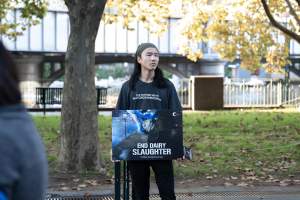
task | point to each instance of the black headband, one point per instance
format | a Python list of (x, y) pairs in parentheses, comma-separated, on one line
[(144, 46)]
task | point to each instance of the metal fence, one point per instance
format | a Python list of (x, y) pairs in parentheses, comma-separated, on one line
[(53, 96), (246, 93), (267, 93), (291, 94), (43, 97), (184, 91), (237, 93)]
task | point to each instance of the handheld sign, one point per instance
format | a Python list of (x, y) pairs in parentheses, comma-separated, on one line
[(146, 135)]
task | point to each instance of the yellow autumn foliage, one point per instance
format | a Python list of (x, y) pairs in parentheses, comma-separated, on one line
[(31, 13), (239, 29)]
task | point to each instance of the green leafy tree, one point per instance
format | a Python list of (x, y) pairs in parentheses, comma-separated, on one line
[(118, 72), (115, 71), (102, 73), (31, 13)]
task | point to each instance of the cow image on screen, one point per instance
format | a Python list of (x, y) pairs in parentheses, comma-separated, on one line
[(146, 134)]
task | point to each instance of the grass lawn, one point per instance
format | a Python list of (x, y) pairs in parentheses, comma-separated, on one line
[(249, 145)]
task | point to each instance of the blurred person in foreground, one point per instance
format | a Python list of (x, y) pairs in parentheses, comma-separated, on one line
[(23, 163)]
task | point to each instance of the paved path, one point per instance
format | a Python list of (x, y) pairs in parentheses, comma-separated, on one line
[(240, 193), (200, 193)]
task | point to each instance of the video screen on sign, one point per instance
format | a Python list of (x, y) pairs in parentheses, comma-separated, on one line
[(146, 135)]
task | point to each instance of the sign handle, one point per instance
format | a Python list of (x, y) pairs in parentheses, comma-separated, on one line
[(117, 180)]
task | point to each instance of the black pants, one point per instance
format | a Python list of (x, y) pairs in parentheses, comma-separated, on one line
[(140, 175)]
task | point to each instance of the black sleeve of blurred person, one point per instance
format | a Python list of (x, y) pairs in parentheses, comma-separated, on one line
[(9, 80)]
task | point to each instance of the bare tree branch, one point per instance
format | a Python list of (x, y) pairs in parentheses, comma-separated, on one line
[(278, 25), (292, 11)]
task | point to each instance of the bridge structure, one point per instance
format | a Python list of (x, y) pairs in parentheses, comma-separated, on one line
[(45, 44)]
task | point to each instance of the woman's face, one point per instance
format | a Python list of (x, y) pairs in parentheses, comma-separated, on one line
[(149, 59)]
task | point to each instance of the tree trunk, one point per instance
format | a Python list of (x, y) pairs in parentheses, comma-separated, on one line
[(79, 150)]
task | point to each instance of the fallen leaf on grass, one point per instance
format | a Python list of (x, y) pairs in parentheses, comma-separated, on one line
[(82, 185), (242, 184), (252, 178), (283, 184), (87, 195), (227, 184), (190, 194), (186, 181), (259, 163), (94, 183), (109, 181), (268, 169), (296, 181), (65, 188), (91, 182)]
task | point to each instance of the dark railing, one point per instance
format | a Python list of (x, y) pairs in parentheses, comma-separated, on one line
[(48, 96), (101, 96), (52, 96)]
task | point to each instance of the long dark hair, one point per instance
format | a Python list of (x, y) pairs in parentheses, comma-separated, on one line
[(9, 80), (159, 80)]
